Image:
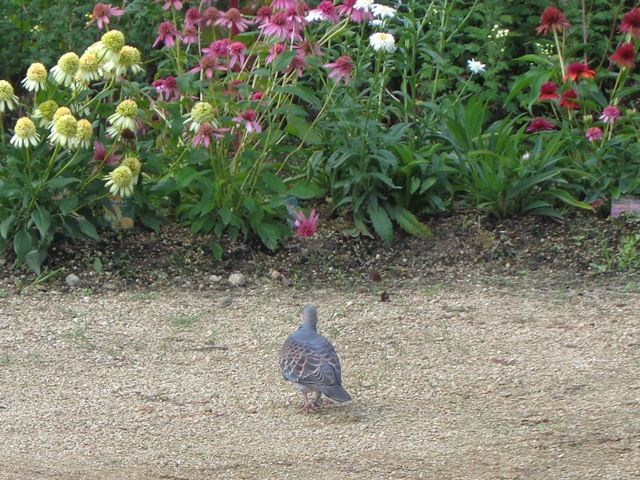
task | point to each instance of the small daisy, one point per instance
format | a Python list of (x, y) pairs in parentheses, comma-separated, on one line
[(475, 66), (364, 5), (120, 181), (64, 132), (64, 72), (24, 133), (45, 112), (85, 133), (382, 42), (202, 112), (8, 100), (382, 11), (124, 118), (36, 78)]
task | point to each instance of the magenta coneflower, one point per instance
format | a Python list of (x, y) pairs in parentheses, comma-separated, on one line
[(296, 15), (567, 99), (306, 227), (624, 56), (206, 134), (237, 51), (283, 4), (192, 17), (219, 48), (540, 125), (275, 50), (189, 35), (177, 4), (167, 88), (209, 16), (298, 64), (207, 65), (577, 71), (631, 23), (248, 118), (262, 15), (231, 19), (324, 11), (341, 69), (307, 47), (552, 20), (100, 155), (593, 134), (101, 13), (346, 9), (548, 91), (610, 114), (167, 34), (257, 96), (279, 27)]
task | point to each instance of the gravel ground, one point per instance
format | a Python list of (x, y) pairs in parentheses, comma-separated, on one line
[(477, 379)]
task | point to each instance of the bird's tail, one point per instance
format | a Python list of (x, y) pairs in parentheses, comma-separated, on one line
[(336, 393)]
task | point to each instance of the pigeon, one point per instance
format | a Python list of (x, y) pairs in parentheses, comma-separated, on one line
[(310, 362)]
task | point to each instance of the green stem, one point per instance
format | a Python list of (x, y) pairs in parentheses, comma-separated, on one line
[(555, 37)]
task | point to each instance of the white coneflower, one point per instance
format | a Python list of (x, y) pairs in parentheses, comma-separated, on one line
[(202, 112), (382, 11), (85, 133), (376, 23), (120, 181), (45, 112), (134, 165), (8, 100), (64, 132), (90, 67), (475, 66), (129, 59), (382, 42), (110, 45), (24, 133), (364, 5), (36, 78), (124, 118), (64, 72), (314, 16)]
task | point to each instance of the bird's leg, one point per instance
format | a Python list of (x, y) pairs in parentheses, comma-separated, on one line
[(308, 406), (318, 401)]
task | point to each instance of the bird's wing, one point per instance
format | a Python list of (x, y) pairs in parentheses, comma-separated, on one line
[(310, 363)]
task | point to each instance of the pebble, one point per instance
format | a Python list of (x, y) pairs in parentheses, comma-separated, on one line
[(287, 282), (72, 280), (237, 280), (276, 276), (226, 301), (215, 279)]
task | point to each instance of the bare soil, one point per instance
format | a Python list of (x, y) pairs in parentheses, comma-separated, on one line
[(475, 376)]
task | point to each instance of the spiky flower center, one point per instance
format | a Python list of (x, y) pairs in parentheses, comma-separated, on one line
[(48, 109), (202, 112), (133, 164), (122, 176), (25, 128), (67, 126), (89, 61), (6, 90), (37, 72), (61, 112), (129, 56), (113, 40), (85, 130), (69, 63), (127, 108)]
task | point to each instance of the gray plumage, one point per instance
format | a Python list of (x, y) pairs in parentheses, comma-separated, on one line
[(310, 362)]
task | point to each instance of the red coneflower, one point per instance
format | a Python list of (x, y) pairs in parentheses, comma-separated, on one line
[(101, 13), (219, 48), (167, 88), (207, 65), (631, 23), (567, 99), (341, 69), (262, 15), (167, 34), (624, 56), (540, 125), (593, 134), (232, 19), (548, 91), (237, 50), (210, 15), (279, 27), (192, 17), (552, 20), (577, 71), (610, 114)]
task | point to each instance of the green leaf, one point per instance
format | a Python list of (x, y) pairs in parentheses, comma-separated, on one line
[(273, 183), (410, 223), (61, 182), (88, 229), (42, 220), (381, 222), (298, 127), (216, 250), (97, 265), (305, 191), (283, 60), (152, 221), (5, 226), (34, 260), (22, 244), (569, 199), (67, 205), (303, 93)]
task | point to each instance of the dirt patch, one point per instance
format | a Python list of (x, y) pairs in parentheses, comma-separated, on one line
[(482, 377)]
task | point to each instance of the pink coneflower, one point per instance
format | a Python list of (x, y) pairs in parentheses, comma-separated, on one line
[(567, 99), (209, 16), (100, 155), (189, 35), (552, 20), (275, 50), (237, 51), (540, 125), (298, 64), (548, 91), (306, 227), (307, 47), (207, 65), (610, 114), (341, 69), (257, 96), (248, 118), (101, 13), (167, 34), (192, 17), (232, 19), (177, 4), (346, 9), (593, 134), (219, 48), (279, 27), (167, 88), (624, 56), (262, 15), (631, 23), (296, 15), (577, 71), (283, 4), (207, 133), (325, 11)]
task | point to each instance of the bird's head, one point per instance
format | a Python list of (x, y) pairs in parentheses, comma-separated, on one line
[(309, 318)]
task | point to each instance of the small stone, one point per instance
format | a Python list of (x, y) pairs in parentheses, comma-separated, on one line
[(226, 301), (276, 276), (252, 409), (287, 282), (215, 279), (72, 280), (237, 280)]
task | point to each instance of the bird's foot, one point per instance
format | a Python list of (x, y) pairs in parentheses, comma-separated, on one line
[(317, 403), (308, 407)]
